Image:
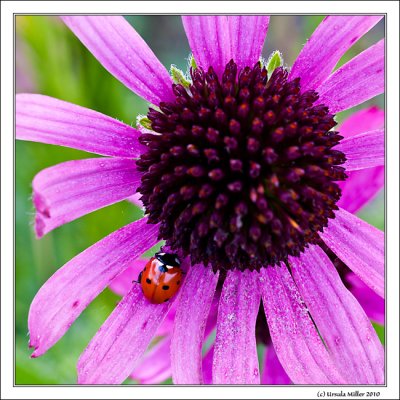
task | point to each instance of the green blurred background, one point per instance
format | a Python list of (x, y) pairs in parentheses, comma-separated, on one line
[(51, 61)]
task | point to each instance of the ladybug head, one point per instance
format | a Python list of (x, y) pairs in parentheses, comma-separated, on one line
[(170, 259)]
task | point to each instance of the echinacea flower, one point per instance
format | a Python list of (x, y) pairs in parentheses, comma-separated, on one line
[(240, 172)]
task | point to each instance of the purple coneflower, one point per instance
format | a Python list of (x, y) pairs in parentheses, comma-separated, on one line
[(241, 174)]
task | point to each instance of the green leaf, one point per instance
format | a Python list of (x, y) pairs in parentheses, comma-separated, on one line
[(191, 62), (179, 77), (275, 60), (144, 121)]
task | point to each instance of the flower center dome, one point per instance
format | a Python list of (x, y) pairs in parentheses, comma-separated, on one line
[(240, 172)]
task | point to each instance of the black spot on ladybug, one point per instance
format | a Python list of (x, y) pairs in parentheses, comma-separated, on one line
[(165, 287), (178, 282), (145, 268), (162, 268), (148, 281), (166, 300)]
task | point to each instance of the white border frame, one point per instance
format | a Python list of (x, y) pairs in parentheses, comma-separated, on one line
[(8, 8)]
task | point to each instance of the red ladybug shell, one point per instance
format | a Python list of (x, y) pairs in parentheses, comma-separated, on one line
[(160, 281)]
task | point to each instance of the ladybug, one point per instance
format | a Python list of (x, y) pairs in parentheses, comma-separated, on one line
[(161, 277)]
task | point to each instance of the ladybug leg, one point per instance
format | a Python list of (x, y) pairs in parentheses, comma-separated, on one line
[(139, 279)]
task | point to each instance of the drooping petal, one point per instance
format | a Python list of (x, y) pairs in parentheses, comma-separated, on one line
[(209, 39), (121, 50), (273, 372), (119, 344), (341, 321), (360, 246), (295, 339), (235, 349), (155, 366), (247, 35), (365, 150), (72, 189), (357, 81), (69, 291), (190, 320), (367, 119), (48, 120), (373, 305), (332, 38), (122, 283)]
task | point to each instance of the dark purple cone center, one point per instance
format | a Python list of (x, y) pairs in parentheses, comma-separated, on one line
[(241, 171)]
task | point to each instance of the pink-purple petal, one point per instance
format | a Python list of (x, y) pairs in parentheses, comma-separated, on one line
[(367, 119), (122, 283), (72, 189), (135, 199), (207, 366), (361, 186), (192, 312), (209, 39), (364, 150), (121, 50), (155, 366), (273, 372), (373, 305), (357, 81), (360, 246), (48, 120), (247, 35), (341, 321), (120, 342), (332, 38), (235, 349), (294, 337), (69, 291)]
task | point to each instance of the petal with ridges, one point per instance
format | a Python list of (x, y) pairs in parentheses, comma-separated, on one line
[(332, 38), (360, 246), (273, 372), (294, 337), (209, 39), (72, 189), (365, 150), (247, 34), (71, 289), (48, 120), (341, 321), (373, 305), (120, 342), (191, 316), (361, 186), (121, 50), (235, 349), (155, 366), (357, 81)]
